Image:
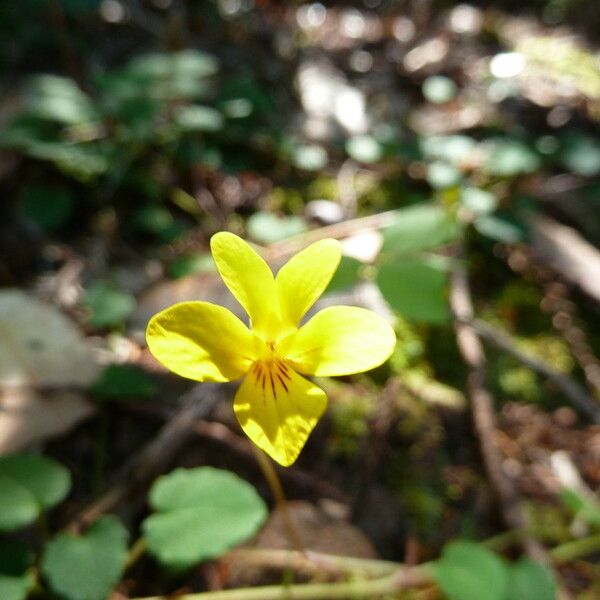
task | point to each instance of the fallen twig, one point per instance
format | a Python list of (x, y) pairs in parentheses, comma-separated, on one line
[(578, 396), (156, 455), (482, 407)]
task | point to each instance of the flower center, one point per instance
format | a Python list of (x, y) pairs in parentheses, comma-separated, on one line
[(270, 372)]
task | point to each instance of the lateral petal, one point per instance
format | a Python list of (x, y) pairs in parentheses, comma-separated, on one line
[(277, 409), (340, 340), (304, 278), (249, 279), (201, 341)]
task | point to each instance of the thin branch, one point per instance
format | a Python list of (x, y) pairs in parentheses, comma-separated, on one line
[(482, 407), (312, 563), (578, 396), (156, 455), (401, 579)]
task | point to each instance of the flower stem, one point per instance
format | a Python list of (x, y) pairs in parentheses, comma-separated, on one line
[(277, 490)]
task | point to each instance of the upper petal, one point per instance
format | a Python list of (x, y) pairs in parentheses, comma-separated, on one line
[(248, 277), (201, 341), (340, 340), (304, 278), (277, 409)]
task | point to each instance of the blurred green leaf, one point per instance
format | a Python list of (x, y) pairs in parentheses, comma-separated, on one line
[(29, 484), (124, 381), (267, 228), (193, 264), (48, 207), (480, 202), (310, 157), (468, 571), (439, 89), (59, 99), (158, 220), (18, 507), (416, 289), (530, 580), (198, 118), (581, 154), (419, 227), (441, 175), (87, 567), (453, 149), (364, 149), (510, 158), (346, 276), (585, 508), (16, 588), (200, 513), (107, 304), (499, 229)]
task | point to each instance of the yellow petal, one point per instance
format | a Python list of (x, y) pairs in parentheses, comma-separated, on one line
[(277, 409), (201, 341), (340, 340), (248, 277), (304, 278)]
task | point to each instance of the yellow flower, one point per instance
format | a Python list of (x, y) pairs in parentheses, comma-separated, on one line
[(275, 406)]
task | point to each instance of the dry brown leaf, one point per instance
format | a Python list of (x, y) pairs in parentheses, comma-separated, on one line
[(39, 348)]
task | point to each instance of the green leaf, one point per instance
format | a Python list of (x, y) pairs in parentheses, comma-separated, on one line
[(29, 484), (442, 175), (48, 207), (157, 220), (193, 264), (267, 228), (530, 580), (468, 571), (416, 289), (510, 158), (199, 118), (439, 89), (15, 588), (124, 381), (310, 157), (87, 567), (364, 148), (480, 202), (419, 227), (18, 507), (453, 149), (347, 274), (59, 99), (581, 154), (108, 305), (200, 514), (499, 229), (585, 508)]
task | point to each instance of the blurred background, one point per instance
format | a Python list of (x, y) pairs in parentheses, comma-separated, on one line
[(453, 148)]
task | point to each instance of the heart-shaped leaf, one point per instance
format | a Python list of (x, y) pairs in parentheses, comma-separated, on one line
[(416, 289), (200, 513), (87, 567), (468, 571), (530, 580), (15, 588), (28, 485), (419, 227)]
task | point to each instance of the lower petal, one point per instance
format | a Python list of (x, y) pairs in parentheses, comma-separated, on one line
[(277, 409)]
